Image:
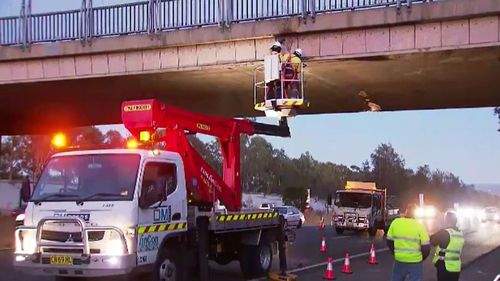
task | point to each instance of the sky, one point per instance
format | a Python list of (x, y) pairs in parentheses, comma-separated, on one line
[(462, 141)]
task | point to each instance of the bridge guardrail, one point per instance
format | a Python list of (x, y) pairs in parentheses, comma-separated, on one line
[(154, 16)]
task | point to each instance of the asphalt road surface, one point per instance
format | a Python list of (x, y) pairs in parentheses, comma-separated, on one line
[(306, 261)]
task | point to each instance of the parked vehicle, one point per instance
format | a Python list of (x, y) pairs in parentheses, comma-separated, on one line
[(266, 206), (361, 206), (293, 217), (106, 212), (490, 214)]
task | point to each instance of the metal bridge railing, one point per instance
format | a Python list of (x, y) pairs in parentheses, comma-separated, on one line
[(153, 16)]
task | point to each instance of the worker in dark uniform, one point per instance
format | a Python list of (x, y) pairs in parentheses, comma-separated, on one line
[(449, 243)]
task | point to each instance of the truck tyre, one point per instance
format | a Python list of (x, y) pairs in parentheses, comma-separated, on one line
[(168, 266), (339, 231), (256, 261)]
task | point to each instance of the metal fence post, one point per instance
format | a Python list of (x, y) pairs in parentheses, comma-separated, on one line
[(303, 10), (87, 22), (221, 12), (229, 13), (312, 7), (153, 16), (22, 24)]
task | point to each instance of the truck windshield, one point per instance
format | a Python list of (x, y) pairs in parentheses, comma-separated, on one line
[(353, 200), (96, 177)]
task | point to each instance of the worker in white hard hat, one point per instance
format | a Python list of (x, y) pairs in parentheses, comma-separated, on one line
[(276, 48), (274, 87)]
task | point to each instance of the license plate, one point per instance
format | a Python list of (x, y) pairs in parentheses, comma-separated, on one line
[(61, 260)]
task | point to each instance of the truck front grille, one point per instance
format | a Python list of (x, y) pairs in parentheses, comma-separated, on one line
[(75, 236)]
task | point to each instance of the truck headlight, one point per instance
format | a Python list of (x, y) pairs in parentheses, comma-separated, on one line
[(27, 243), (430, 212), (419, 212), (114, 246)]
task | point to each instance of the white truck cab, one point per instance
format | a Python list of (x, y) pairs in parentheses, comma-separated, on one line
[(360, 207), (85, 212)]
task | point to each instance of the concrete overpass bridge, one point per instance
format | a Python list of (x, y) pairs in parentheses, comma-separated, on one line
[(431, 55)]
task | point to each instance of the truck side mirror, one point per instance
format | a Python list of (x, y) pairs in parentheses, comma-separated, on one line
[(26, 190), (151, 193), (329, 200)]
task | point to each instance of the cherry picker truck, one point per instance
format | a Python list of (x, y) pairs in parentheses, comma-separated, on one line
[(149, 207)]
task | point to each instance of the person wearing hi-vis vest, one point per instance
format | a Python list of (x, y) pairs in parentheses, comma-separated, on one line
[(449, 243), (409, 243)]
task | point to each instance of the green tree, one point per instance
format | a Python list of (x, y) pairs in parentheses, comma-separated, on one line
[(295, 196), (389, 169), (114, 138)]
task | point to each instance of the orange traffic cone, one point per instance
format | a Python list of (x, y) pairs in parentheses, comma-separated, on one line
[(323, 245), (347, 264), (372, 259), (329, 274), (321, 225)]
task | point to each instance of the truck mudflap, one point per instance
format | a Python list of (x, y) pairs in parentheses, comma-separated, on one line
[(74, 256)]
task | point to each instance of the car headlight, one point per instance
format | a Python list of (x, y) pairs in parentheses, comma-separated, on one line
[(430, 212), (419, 212)]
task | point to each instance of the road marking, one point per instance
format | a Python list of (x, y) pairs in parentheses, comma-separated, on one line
[(336, 260)]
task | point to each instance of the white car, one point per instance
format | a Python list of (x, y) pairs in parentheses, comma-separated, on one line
[(490, 214), (266, 206), (293, 217)]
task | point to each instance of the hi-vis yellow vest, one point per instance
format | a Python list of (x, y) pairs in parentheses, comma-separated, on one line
[(408, 236), (452, 254)]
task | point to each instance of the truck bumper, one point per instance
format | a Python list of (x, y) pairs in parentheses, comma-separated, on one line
[(95, 266), (351, 226)]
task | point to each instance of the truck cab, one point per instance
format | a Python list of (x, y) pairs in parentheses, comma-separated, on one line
[(115, 206), (359, 207)]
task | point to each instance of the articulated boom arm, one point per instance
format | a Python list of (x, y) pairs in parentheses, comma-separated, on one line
[(203, 183)]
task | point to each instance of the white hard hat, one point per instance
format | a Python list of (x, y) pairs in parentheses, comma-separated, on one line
[(298, 52), (276, 44)]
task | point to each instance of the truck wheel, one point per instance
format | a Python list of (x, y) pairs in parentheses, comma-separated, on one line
[(256, 261), (167, 267), (339, 231)]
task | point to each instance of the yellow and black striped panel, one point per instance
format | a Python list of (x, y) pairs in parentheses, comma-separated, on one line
[(246, 217), (293, 103), (161, 227)]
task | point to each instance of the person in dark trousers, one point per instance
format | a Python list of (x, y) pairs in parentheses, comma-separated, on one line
[(409, 243), (449, 243)]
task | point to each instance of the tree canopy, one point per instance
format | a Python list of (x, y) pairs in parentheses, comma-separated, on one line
[(270, 170)]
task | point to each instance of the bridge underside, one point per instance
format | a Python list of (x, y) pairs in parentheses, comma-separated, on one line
[(448, 79)]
